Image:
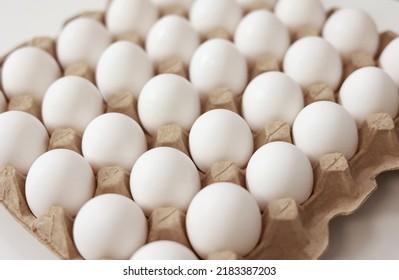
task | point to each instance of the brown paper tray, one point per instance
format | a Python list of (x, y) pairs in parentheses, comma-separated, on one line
[(290, 231)]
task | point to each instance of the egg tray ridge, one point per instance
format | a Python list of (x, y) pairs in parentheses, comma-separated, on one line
[(289, 231)]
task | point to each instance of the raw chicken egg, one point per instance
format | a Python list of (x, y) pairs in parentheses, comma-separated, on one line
[(23, 138), (20, 73), (109, 226), (59, 177), (389, 60), (164, 250)]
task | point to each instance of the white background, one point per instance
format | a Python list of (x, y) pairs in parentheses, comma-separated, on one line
[(370, 233)]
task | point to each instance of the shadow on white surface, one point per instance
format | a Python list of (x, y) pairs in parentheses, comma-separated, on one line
[(373, 231)]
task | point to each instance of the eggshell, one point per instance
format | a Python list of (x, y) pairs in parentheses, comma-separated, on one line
[(20, 73), (131, 16), (59, 177), (262, 33), (3, 102), (300, 14), (171, 37), (223, 216), (307, 59), (220, 135), (71, 102), (175, 184), (174, 100), (82, 40), (123, 66), (113, 139), (207, 15), (218, 63), (351, 30), (109, 226), (369, 90), (389, 58), (23, 138), (271, 96), (267, 170), (325, 127), (164, 250)]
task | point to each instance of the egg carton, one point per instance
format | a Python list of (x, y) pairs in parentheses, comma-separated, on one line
[(289, 230)]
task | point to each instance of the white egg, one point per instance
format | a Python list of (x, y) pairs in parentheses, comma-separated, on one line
[(123, 66), (313, 60), (267, 171), (223, 216), (351, 30), (109, 226), (3, 102), (325, 127), (82, 40), (301, 14), (164, 250), (113, 139), (251, 3), (23, 138), (172, 37), (163, 177), (207, 15), (261, 33), (369, 90), (59, 177), (174, 100), (271, 96), (71, 102), (21, 75), (218, 63), (389, 58), (220, 135), (137, 16), (186, 4)]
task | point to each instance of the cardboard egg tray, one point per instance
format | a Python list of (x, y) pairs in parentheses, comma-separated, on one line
[(290, 231)]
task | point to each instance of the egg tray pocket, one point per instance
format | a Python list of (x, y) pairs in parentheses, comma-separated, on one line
[(290, 231)]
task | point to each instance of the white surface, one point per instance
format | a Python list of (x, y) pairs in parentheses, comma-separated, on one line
[(370, 233)]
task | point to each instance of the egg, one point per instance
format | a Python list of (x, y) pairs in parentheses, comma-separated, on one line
[(301, 14), (307, 59), (208, 15), (23, 138), (261, 33), (266, 174), (136, 16), (113, 139), (163, 177), (3, 102), (20, 73), (172, 37), (123, 66), (174, 100), (59, 177), (71, 102), (109, 226), (186, 4), (389, 58), (218, 63), (271, 96), (164, 250), (223, 216), (82, 40), (325, 127), (351, 30), (369, 90), (220, 135), (251, 3)]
